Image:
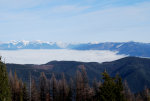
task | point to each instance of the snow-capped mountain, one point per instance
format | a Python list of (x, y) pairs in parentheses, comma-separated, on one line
[(127, 48), (15, 45)]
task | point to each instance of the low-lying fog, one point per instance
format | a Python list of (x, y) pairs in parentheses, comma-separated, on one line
[(43, 56)]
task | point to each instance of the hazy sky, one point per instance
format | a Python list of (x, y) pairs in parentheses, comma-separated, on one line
[(75, 20)]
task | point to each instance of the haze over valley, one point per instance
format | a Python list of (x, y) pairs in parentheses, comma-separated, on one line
[(43, 56), (40, 52)]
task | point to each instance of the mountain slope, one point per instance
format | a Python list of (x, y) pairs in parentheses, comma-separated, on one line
[(133, 69), (128, 48)]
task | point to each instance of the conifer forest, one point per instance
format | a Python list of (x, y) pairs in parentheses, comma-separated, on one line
[(51, 89)]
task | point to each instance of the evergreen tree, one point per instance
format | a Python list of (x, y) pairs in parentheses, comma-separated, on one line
[(16, 88), (85, 92), (119, 89), (11, 82), (48, 96), (63, 89), (25, 93), (111, 89), (20, 91), (54, 87), (34, 92), (5, 94), (71, 91), (79, 86), (43, 87)]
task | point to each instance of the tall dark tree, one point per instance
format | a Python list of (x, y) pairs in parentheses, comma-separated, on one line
[(111, 89), (79, 86), (119, 89), (43, 87), (5, 94), (54, 87), (70, 96), (20, 91), (16, 88), (25, 93), (86, 89), (48, 96), (34, 92), (63, 89), (11, 82)]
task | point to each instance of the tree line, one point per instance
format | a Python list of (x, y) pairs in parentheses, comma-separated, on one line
[(51, 89)]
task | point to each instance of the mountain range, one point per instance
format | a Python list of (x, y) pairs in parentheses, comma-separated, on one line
[(127, 48), (135, 70)]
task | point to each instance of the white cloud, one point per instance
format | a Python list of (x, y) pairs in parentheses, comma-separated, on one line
[(44, 56), (67, 22)]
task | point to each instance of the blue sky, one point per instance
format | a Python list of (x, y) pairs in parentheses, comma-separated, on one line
[(75, 20)]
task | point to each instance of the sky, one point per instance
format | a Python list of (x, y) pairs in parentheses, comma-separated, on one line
[(75, 20)]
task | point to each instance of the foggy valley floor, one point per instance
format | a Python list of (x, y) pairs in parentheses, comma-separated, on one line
[(42, 56)]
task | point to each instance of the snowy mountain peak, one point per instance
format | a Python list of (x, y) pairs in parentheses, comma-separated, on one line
[(94, 42), (61, 44), (128, 48), (25, 42), (14, 42)]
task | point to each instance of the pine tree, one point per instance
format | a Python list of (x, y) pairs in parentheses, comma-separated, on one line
[(5, 94), (48, 96), (111, 89), (79, 86), (119, 89), (16, 88), (85, 92), (54, 87), (34, 92), (70, 96), (20, 91), (63, 89), (43, 87), (11, 82), (25, 93)]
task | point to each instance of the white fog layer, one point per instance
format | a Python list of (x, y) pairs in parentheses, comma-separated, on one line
[(44, 56)]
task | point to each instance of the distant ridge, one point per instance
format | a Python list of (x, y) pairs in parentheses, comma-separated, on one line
[(128, 48)]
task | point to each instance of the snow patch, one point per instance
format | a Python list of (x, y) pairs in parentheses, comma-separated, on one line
[(119, 46), (61, 44), (13, 42), (25, 42)]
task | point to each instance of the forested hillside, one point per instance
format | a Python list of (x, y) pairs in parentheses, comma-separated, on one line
[(136, 71), (29, 82)]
